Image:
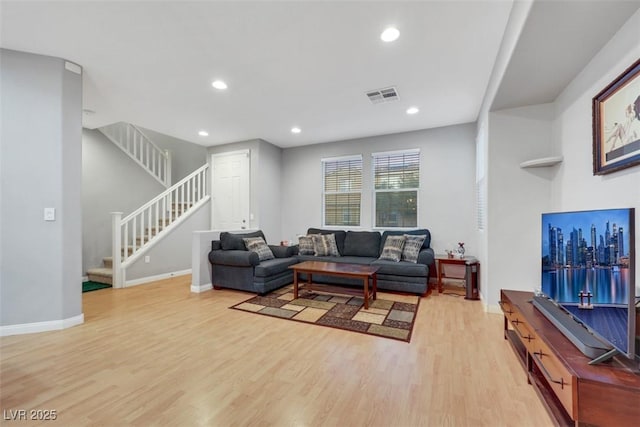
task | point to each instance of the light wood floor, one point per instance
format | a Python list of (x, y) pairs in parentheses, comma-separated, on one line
[(159, 355)]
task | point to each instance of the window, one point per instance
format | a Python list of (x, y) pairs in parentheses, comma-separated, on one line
[(396, 177), (342, 190)]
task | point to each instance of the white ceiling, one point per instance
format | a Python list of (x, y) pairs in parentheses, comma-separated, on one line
[(557, 41), (306, 64)]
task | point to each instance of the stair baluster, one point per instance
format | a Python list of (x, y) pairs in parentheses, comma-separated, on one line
[(137, 232)]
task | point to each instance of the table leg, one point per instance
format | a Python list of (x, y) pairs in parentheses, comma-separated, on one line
[(439, 277), (375, 286), (366, 292), (295, 284)]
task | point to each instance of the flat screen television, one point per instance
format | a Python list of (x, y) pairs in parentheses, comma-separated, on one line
[(588, 271)]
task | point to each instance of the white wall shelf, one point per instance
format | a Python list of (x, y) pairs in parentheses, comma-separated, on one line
[(542, 162)]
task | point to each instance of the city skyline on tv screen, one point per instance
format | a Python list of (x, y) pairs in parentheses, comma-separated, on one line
[(586, 238)]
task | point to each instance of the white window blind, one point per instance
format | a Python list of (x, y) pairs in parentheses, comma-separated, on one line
[(396, 177), (342, 191)]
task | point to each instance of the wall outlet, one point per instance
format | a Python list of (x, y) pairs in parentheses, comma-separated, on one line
[(147, 259), (49, 214)]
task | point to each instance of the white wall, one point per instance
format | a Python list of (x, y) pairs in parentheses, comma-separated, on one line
[(516, 197), (575, 187), (172, 253), (517, 19), (106, 171), (447, 175), (185, 156), (265, 198), (270, 208), (40, 166)]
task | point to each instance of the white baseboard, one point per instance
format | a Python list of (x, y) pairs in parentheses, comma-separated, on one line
[(163, 276), (85, 279), (493, 309), (49, 325), (201, 288)]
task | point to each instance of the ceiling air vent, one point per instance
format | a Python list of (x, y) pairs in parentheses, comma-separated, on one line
[(382, 95)]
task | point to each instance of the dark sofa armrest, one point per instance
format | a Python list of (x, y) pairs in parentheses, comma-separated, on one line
[(282, 251), (216, 245), (427, 257), (234, 257)]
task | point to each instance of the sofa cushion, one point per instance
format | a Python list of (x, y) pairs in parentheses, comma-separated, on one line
[(418, 232), (339, 235), (362, 243), (343, 259), (283, 251), (412, 246), (230, 241), (305, 245), (402, 268), (259, 246), (325, 245), (274, 266), (392, 250)]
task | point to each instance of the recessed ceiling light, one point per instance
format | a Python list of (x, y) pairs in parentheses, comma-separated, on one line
[(296, 130), (412, 110), (219, 84), (203, 133), (390, 34)]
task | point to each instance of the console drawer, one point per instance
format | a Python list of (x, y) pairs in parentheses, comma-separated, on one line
[(507, 308), (524, 330), (556, 374)]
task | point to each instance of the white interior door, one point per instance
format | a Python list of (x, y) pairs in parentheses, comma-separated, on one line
[(230, 191)]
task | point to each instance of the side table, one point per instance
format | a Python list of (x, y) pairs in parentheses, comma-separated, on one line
[(472, 270)]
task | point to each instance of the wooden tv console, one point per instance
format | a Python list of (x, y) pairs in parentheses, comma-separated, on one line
[(574, 392)]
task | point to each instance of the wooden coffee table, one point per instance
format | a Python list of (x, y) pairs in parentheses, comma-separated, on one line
[(357, 271)]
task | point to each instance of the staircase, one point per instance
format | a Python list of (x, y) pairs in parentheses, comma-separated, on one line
[(104, 274), (130, 139), (139, 231)]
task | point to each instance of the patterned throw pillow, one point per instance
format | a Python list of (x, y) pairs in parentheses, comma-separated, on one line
[(325, 245), (259, 246), (412, 246), (305, 245), (392, 250)]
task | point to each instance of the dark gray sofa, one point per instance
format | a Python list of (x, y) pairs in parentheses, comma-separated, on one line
[(232, 266), (364, 247)]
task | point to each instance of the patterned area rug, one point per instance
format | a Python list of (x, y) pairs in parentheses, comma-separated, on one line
[(389, 316)]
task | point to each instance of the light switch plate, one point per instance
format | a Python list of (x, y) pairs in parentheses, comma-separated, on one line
[(49, 214)]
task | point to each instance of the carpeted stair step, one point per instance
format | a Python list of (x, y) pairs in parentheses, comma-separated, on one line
[(154, 230), (180, 207), (100, 275), (108, 262)]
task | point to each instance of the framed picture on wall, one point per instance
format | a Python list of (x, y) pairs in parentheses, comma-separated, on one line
[(616, 123)]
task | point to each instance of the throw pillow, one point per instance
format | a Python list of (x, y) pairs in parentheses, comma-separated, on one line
[(412, 246), (392, 250), (325, 245), (305, 245), (259, 246)]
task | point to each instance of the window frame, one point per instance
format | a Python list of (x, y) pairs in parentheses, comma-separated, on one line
[(332, 160), (375, 191)]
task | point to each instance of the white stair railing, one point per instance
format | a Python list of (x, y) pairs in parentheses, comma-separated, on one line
[(131, 140), (136, 233)]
